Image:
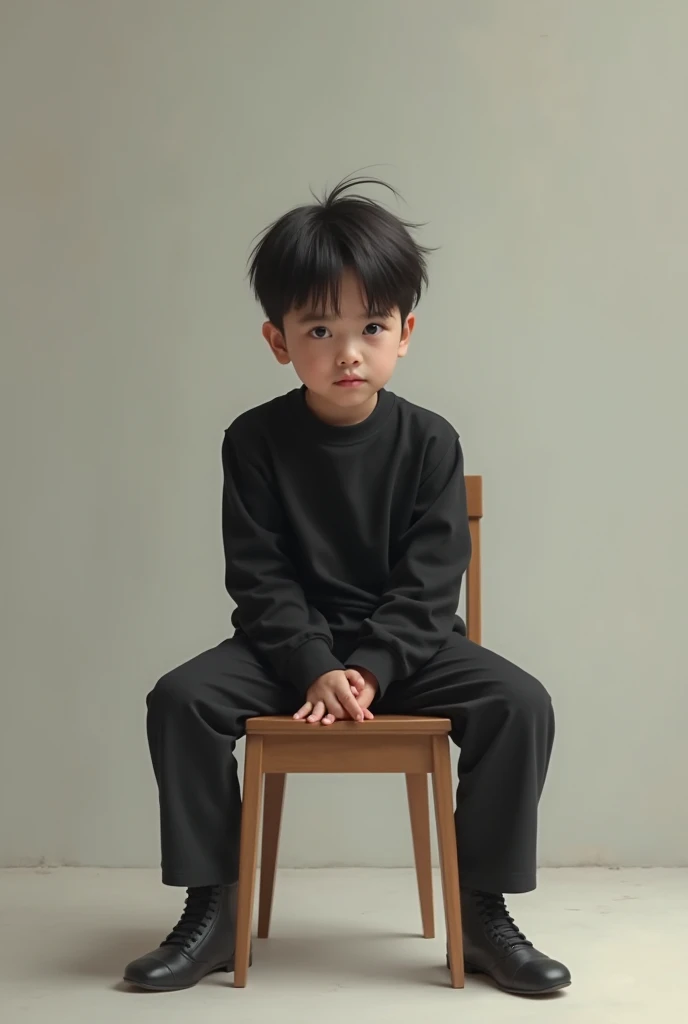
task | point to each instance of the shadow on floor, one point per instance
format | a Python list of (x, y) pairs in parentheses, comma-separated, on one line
[(344, 957), (351, 957)]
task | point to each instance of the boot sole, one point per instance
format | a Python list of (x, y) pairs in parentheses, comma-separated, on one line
[(472, 969), (228, 967)]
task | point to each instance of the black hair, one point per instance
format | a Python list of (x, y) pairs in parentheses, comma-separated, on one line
[(300, 258)]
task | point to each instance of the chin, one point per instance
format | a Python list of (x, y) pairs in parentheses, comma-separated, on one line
[(364, 391), (357, 397)]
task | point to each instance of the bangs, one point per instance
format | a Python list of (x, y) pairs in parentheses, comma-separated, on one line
[(300, 259), (313, 269)]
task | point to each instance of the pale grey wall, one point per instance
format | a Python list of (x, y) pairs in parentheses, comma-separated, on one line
[(144, 143)]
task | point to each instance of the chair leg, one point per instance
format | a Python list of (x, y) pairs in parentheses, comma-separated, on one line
[(272, 819), (419, 810), (248, 855), (446, 834)]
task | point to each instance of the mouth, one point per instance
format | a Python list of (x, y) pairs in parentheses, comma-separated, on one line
[(349, 382)]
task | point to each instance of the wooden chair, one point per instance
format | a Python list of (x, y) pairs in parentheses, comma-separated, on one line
[(415, 746)]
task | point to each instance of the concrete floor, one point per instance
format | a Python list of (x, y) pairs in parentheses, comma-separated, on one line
[(344, 938)]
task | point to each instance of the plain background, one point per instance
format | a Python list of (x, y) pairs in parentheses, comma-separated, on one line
[(144, 144)]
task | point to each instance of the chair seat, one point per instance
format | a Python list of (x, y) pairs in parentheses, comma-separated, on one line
[(383, 725)]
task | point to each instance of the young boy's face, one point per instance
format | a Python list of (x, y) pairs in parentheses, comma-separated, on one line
[(343, 360)]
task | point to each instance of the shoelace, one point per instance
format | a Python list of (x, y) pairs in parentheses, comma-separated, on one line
[(499, 924), (198, 909)]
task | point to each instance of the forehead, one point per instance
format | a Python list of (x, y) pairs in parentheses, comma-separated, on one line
[(352, 305)]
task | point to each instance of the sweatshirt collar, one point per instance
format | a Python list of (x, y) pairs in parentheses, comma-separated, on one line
[(326, 433)]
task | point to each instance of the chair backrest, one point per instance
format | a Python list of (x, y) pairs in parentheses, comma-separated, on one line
[(474, 494)]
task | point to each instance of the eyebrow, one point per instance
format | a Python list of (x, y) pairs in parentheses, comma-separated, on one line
[(311, 316)]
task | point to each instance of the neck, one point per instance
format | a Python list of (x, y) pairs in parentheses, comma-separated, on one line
[(335, 416)]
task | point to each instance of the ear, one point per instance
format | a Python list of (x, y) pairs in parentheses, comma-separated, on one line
[(277, 343), (406, 332)]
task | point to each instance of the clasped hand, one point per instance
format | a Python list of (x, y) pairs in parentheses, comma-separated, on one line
[(339, 694)]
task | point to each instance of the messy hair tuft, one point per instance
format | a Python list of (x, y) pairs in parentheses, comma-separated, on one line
[(300, 258)]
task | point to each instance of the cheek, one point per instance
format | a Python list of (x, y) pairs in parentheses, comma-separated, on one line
[(311, 357), (385, 355)]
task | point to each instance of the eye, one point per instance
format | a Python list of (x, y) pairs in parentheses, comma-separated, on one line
[(373, 329), (319, 332)]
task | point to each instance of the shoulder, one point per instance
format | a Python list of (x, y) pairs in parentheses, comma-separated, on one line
[(252, 428), (426, 422), (249, 441), (427, 432)]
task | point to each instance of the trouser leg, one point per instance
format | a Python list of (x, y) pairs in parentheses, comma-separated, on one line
[(196, 713), (502, 719)]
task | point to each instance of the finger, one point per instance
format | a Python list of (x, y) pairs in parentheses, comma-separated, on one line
[(355, 679), (317, 712), (368, 715), (303, 711), (351, 705), (328, 720), (335, 709)]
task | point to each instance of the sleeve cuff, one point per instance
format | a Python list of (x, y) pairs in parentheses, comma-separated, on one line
[(309, 661), (378, 661)]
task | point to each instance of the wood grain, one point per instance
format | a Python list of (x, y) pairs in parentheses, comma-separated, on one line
[(250, 820), (419, 811), (272, 821)]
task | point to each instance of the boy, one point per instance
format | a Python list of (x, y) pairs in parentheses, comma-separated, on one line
[(346, 537)]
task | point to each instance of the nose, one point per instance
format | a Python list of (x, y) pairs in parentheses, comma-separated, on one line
[(348, 354)]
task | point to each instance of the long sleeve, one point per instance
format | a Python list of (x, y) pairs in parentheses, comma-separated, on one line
[(417, 611), (293, 637)]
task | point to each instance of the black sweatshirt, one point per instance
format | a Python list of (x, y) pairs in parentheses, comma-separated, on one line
[(359, 531)]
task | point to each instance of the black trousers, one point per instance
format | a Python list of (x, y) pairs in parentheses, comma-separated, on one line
[(501, 717)]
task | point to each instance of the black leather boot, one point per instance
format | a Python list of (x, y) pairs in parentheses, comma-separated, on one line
[(493, 945), (200, 943)]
